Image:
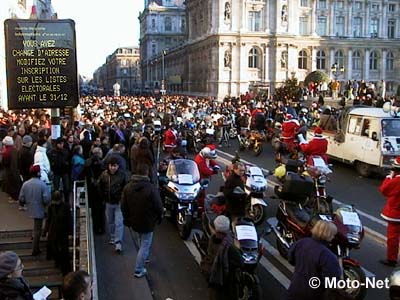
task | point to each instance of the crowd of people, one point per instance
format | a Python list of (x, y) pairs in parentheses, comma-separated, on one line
[(114, 144)]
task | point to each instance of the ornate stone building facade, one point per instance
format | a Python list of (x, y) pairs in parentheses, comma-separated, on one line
[(233, 46), (122, 66), (162, 27)]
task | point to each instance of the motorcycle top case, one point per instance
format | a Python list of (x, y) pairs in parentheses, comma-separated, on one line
[(296, 187)]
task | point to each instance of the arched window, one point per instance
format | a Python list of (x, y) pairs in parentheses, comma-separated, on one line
[(339, 58), (357, 60), (302, 59), (373, 60), (390, 61), (321, 60), (254, 58)]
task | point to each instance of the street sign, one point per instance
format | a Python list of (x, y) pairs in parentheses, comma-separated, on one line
[(41, 63)]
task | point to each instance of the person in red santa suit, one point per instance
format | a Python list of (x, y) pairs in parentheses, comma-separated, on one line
[(207, 165), (318, 146), (289, 130), (170, 139), (390, 188)]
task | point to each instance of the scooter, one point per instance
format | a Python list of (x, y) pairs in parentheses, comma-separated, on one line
[(255, 187), (180, 188), (248, 243), (293, 222)]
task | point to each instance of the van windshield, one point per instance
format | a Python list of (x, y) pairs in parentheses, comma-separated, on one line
[(391, 127)]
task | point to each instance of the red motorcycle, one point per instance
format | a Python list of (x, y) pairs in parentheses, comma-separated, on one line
[(293, 222)]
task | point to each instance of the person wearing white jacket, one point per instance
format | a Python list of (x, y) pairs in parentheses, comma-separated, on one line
[(42, 160)]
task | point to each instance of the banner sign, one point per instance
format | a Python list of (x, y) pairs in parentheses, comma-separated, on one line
[(41, 63)]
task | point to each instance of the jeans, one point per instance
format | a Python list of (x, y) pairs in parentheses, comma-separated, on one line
[(115, 222), (145, 242), (37, 233)]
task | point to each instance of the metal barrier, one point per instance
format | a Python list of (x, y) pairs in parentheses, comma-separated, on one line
[(82, 221)]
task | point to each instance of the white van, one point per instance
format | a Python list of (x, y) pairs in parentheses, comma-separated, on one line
[(367, 137)]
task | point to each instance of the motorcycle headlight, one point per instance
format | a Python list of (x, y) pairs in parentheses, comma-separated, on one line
[(257, 189), (353, 237), (322, 179), (249, 257), (186, 196)]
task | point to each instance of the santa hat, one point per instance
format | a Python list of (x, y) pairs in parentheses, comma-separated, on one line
[(396, 163), (211, 146), (289, 116), (318, 130)]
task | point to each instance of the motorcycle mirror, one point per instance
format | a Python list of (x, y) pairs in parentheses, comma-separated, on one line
[(204, 182)]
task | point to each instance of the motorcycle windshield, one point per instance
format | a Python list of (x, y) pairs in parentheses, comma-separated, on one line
[(183, 171)]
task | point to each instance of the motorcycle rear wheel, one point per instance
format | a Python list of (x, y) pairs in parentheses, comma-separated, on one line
[(185, 224), (353, 273), (258, 148), (248, 288), (282, 249)]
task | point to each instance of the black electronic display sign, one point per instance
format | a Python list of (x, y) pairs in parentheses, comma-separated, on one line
[(41, 63)]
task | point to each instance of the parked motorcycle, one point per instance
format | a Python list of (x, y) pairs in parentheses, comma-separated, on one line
[(247, 242), (179, 189), (293, 222), (255, 187)]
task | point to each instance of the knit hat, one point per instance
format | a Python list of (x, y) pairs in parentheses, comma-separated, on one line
[(8, 141), (8, 263), (222, 224), (34, 170), (27, 140), (396, 163)]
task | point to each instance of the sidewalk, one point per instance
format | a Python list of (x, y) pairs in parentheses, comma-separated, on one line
[(11, 218), (115, 278)]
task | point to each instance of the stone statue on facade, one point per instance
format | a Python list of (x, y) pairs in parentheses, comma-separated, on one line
[(227, 12), (227, 59)]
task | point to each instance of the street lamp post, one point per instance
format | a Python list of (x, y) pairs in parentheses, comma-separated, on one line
[(336, 71), (164, 52)]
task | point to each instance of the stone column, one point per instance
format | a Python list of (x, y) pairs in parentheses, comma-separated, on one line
[(383, 64), (366, 65), (331, 5), (349, 18), (383, 21), (314, 17), (367, 20), (266, 63), (313, 59), (349, 64)]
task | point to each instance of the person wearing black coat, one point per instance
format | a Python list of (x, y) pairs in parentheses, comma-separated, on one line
[(58, 227), (142, 210), (93, 170), (235, 204)]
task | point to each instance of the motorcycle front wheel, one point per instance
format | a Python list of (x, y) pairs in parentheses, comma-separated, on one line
[(258, 213), (185, 224), (248, 287), (282, 249), (352, 272)]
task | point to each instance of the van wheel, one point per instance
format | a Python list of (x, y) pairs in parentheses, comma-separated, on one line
[(365, 170)]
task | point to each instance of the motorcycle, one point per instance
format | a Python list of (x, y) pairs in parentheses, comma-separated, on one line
[(247, 283), (293, 222), (179, 189), (255, 187), (251, 141)]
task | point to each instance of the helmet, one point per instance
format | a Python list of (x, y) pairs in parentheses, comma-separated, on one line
[(394, 285), (209, 152), (280, 171), (278, 125)]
